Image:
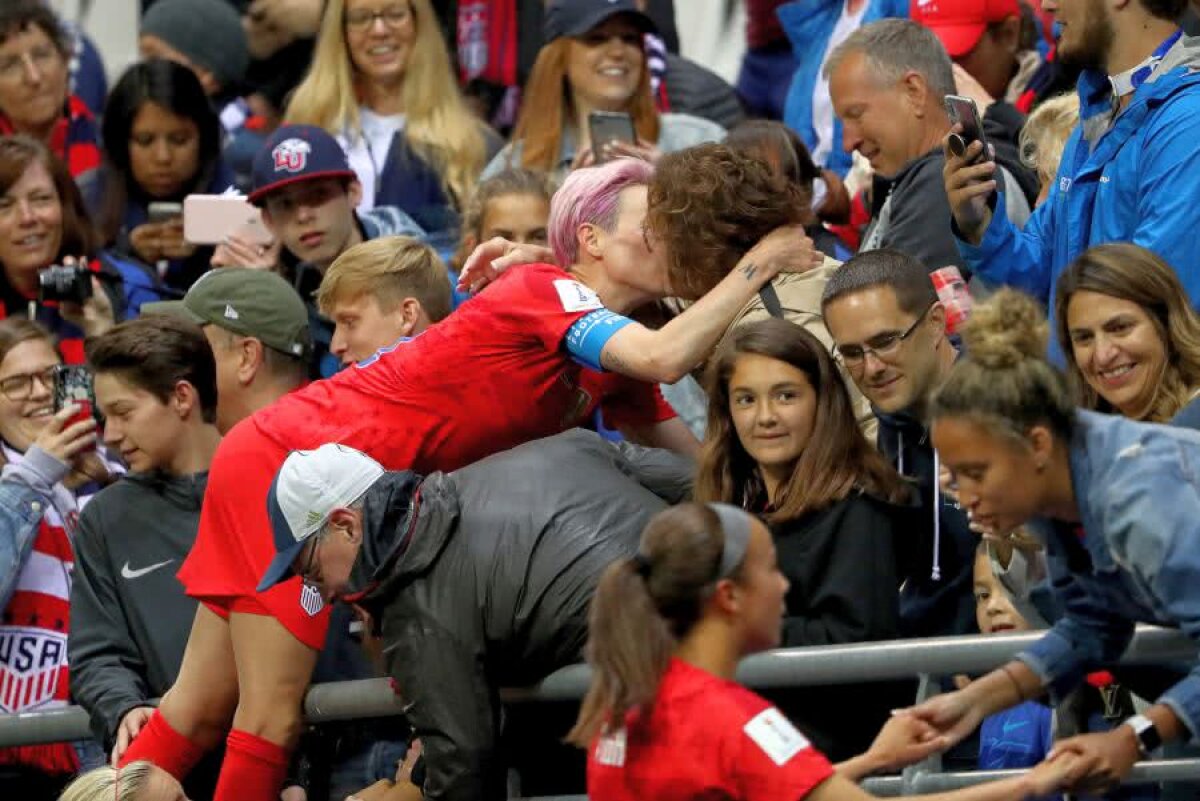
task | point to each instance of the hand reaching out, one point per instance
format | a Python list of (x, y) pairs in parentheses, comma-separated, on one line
[(489, 260)]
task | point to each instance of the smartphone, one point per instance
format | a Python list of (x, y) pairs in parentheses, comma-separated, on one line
[(609, 126), (73, 384), (964, 112), (211, 219), (160, 211)]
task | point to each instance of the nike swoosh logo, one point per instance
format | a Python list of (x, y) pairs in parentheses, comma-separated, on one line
[(128, 573), (1016, 724)]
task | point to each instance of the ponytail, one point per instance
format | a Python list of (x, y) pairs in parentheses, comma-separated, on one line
[(644, 605)]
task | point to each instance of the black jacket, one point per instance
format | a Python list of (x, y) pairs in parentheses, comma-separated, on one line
[(481, 579), (937, 597), (842, 565)]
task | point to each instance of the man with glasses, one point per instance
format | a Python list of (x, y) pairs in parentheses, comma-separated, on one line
[(35, 54), (308, 194), (890, 333)]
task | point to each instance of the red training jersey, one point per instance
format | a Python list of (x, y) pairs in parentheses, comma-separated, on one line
[(704, 738), (489, 377)]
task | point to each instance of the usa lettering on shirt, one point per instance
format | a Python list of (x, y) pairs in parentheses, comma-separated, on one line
[(610, 749), (775, 735), (575, 296)]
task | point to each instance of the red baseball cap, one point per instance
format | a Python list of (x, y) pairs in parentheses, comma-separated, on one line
[(961, 23)]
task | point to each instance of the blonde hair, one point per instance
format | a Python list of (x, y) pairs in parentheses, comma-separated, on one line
[(506, 183), (439, 125), (547, 101), (1045, 134), (1003, 380), (389, 269), (102, 784)]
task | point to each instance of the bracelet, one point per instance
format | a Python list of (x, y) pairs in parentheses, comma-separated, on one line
[(1007, 670)]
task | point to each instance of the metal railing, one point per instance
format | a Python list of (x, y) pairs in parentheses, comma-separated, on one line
[(794, 667)]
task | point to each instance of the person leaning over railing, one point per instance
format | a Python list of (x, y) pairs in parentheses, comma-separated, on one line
[(139, 781), (1114, 501), (664, 718)]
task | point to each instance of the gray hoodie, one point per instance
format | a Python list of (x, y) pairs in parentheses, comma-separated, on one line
[(481, 579)]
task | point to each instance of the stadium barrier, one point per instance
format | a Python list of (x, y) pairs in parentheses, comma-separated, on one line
[(789, 667)]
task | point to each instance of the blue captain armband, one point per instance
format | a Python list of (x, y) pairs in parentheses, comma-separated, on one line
[(586, 339)]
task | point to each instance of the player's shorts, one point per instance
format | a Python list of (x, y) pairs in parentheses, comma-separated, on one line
[(234, 544)]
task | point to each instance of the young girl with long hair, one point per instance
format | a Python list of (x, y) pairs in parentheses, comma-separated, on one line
[(664, 718)]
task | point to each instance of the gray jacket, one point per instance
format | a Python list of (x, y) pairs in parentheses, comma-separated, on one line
[(481, 579)]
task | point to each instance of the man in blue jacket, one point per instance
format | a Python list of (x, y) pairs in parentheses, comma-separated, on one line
[(1129, 171)]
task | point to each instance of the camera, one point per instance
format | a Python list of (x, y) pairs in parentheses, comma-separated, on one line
[(70, 283)]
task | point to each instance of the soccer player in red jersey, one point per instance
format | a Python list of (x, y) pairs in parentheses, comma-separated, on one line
[(667, 630), (501, 370)]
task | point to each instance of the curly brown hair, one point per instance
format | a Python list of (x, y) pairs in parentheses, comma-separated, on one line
[(710, 204)]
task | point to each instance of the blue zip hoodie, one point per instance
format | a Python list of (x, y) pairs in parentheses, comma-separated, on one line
[(808, 25), (1136, 181)]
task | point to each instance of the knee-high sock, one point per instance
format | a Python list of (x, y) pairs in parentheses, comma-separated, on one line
[(157, 742), (254, 769)]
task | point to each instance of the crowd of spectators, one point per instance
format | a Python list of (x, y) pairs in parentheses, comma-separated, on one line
[(525, 339)]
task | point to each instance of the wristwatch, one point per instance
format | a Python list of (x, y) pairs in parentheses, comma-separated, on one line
[(1148, 738)]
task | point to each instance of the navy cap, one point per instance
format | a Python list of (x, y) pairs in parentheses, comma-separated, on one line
[(296, 153), (577, 17)]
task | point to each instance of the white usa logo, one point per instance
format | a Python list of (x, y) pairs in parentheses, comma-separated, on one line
[(311, 600), (31, 662)]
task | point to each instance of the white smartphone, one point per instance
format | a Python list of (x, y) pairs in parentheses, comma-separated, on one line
[(211, 219)]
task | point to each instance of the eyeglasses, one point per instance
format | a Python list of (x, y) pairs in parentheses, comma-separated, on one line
[(881, 346), (307, 574), (362, 19), (19, 387), (12, 68)]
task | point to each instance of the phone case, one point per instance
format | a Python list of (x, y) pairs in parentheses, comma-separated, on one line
[(211, 219), (73, 384)]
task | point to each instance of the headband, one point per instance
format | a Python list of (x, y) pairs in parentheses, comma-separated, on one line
[(736, 525)]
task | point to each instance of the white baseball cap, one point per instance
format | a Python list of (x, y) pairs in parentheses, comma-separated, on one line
[(306, 490)]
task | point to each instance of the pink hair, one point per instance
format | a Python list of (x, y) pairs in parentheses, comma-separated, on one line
[(590, 196)]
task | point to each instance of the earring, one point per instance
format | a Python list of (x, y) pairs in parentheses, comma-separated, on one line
[(1040, 466)]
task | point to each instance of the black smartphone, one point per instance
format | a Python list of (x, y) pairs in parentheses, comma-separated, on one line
[(607, 127), (73, 384), (964, 112)]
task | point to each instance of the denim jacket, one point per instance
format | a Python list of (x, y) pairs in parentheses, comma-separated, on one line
[(1135, 560), (26, 487)]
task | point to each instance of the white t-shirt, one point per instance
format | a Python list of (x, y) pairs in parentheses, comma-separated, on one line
[(822, 104), (368, 150)]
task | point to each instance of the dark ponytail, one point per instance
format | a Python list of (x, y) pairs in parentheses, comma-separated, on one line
[(641, 608)]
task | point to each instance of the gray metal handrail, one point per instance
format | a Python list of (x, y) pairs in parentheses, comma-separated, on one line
[(832, 664)]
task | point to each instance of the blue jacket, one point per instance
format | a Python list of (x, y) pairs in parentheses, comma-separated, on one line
[(1132, 559), (809, 24), (1137, 181)]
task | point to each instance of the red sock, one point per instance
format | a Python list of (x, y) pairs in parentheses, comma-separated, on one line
[(157, 742), (254, 769)]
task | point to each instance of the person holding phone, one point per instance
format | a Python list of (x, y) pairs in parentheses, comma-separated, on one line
[(51, 469), (162, 143), (1127, 173), (594, 49)]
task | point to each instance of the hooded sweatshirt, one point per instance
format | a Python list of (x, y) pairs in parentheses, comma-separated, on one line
[(936, 597), (481, 579)]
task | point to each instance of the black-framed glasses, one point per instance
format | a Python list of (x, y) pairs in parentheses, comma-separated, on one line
[(310, 564), (19, 387), (362, 19), (881, 346)]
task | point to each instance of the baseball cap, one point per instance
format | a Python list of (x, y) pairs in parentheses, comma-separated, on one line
[(959, 24), (306, 490), (296, 153), (251, 303), (577, 17)]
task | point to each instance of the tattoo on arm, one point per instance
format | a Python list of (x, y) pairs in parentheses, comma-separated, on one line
[(609, 360), (749, 270)]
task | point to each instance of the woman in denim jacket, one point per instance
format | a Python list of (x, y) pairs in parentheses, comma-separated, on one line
[(50, 469), (1114, 501)]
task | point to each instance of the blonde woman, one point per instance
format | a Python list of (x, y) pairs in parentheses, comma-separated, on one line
[(1044, 137), (381, 81), (137, 781)]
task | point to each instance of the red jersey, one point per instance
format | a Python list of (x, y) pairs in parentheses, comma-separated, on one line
[(489, 377), (705, 738)]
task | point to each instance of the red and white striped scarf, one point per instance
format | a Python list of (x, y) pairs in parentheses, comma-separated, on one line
[(34, 627)]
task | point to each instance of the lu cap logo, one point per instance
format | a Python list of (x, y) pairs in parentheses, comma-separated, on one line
[(291, 155)]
